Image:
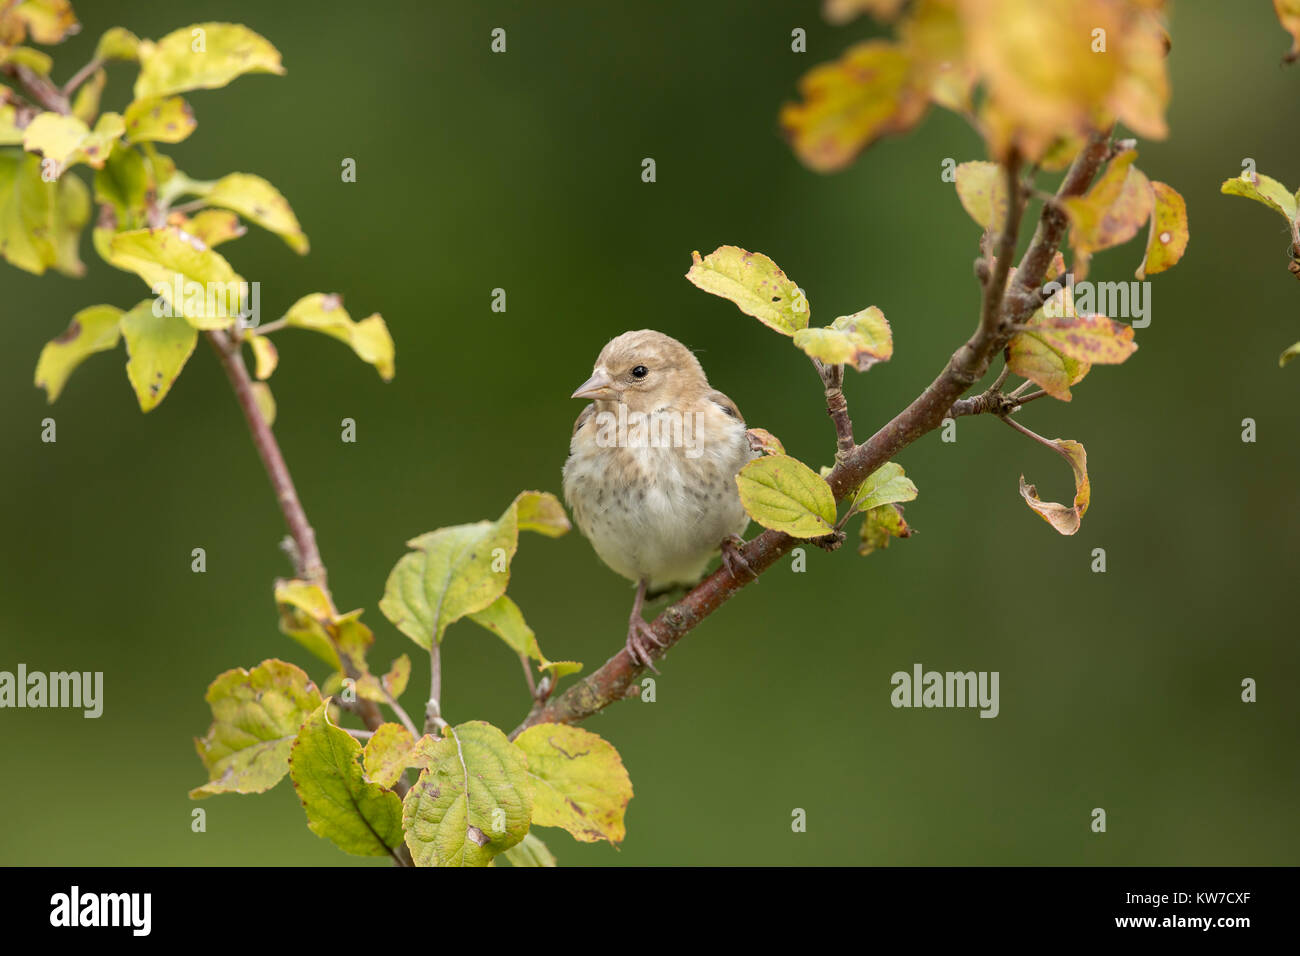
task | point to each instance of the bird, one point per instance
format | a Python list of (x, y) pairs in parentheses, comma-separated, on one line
[(651, 472)]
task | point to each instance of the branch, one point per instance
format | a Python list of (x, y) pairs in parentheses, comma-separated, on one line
[(40, 90), (307, 556), (616, 678), (836, 406)]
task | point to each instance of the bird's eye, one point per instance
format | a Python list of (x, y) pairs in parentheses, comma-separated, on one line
[(640, 372)]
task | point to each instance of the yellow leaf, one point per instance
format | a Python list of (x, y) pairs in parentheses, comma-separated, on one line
[(579, 782), (1169, 234), (159, 119), (850, 103), (369, 338), (91, 330), (755, 284), (203, 56), (783, 493), (860, 340), (1064, 519), (259, 202), (158, 346)]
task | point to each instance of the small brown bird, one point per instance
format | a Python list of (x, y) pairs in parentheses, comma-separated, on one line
[(652, 468)]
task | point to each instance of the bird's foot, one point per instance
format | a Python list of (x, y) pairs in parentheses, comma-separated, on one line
[(734, 561), (637, 631)]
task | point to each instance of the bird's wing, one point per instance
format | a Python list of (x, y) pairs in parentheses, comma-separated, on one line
[(583, 415), (726, 404)]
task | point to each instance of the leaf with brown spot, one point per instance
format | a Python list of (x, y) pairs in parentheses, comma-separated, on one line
[(1111, 212), (579, 782), (1167, 239), (762, 440), (91, 330), (755, 284)]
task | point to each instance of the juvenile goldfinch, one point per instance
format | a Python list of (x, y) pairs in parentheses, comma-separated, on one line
[(651, 475)]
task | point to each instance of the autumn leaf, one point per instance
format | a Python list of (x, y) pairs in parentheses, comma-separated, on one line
[(1064, 519)]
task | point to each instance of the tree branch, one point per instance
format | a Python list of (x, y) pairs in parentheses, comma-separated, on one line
[(308, 564), (307, 556), (836, 406), (1001, 310)]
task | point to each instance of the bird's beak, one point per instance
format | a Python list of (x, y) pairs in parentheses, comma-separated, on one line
[(599, 387)]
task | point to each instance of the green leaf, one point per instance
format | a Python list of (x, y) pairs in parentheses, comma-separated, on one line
[(211, 293), (784, 494), (158, 348), (358, 817), (10, 134), (503, 618), (265, 401), (265, 355), (530, 851), (542, 512), (40, 222), (1064, 519), (123, 183), (560, 669), (879, 525), (204, 56), (399, 674), (579, 781), (1262, 189), (86, 104), (754, 283), (308, 616), (982, 189), (369, 338), (159, 119), (473, 801), (91, 330), (1288, 355), (255, 717), (886, 485), (1169, 234), (117, 43), (67, 140), (259, 202), (214, 226), (387, 754), (860, 340), (453, 572)]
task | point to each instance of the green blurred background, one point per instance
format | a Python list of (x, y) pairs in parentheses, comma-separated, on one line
[(522, 171)]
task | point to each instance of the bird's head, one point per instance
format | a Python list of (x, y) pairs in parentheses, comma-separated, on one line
[(646, 371)]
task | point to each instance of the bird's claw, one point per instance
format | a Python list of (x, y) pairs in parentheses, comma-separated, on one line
[(638, 630), (734, 561)]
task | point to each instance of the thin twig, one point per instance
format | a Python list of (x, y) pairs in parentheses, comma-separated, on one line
[(433, 709), (81, 76)]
